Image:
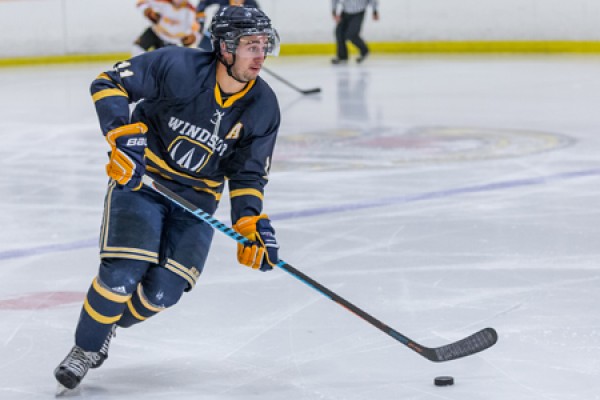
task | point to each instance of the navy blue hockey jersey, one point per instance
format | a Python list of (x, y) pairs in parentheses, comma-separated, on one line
[(195, 137)]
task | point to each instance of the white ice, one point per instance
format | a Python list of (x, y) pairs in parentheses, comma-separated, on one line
[(441, 194)]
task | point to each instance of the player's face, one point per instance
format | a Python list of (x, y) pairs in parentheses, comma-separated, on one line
[(252, 46), (250, 56)]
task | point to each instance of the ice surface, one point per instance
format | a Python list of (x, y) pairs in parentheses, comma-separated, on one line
[(441, 194)]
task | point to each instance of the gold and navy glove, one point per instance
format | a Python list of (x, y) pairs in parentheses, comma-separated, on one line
[(127, 165), (261, 249)]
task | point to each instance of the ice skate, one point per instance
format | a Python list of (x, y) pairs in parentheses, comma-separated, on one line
[(73, 368)]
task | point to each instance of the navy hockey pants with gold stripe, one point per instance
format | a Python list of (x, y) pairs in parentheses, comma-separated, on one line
[(151, 251)]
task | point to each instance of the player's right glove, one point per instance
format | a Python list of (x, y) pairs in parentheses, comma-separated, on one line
[(152, 15), (127, 165), (261, 249)]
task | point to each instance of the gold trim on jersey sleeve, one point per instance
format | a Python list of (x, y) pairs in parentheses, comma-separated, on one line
[(104, 76), (108, 93), (245, 192)]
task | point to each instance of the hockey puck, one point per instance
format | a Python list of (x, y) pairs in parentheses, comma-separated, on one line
[(443, 381)]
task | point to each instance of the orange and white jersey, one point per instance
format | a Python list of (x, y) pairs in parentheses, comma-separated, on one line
[(177, 19)]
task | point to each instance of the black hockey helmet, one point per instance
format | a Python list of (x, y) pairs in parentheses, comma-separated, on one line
[(232, 23)]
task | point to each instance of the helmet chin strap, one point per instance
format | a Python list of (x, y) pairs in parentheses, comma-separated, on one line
[(229, 66)]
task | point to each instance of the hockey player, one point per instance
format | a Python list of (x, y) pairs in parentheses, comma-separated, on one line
[(205, 42), (173, 23), (200, 117)]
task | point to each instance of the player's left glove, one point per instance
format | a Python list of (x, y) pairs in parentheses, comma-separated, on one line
[(188, 39), (127, 164), (261, 249)]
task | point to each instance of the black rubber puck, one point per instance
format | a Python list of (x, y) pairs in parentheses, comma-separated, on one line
[(443, 381)]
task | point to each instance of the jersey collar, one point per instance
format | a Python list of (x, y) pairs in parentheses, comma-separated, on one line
[(229, 102)]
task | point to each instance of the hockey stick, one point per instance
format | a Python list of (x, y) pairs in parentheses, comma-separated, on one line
[(308, 91), (475, 343)]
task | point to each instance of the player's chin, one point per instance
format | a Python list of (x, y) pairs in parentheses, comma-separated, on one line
[(253, 72)]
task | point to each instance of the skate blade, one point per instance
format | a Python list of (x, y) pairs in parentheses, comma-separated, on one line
[(62, 391)]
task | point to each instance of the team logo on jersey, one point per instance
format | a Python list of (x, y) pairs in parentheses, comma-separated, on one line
[(188, 156), (218, 115), (194, 145)]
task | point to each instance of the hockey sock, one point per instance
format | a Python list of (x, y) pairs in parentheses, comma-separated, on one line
[(101, 309), (138, 309)]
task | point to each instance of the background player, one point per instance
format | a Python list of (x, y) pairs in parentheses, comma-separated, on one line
[(201, 117), (205, 42), (173, 23)]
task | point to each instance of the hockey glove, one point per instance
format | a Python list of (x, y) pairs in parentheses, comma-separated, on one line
[(127, 165), (260, 251), (152, 15), (187, 40)]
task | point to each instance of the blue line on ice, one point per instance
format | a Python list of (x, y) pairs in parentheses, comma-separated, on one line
[(487, 187)]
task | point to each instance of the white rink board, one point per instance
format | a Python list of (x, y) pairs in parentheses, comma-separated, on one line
[(57, 27)]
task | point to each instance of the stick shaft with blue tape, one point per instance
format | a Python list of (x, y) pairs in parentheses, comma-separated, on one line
[(472, 344)]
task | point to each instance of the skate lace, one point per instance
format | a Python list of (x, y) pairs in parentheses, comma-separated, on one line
[(104, 349), (78, 361)]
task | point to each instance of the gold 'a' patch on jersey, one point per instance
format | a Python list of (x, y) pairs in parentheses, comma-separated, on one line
[(234, 133)]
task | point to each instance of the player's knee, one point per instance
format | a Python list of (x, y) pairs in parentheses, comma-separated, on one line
[(163, 288), (163, 299), (122, 275)]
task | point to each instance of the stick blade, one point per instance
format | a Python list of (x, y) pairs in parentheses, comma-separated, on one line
[(312, 91), (475, 343)]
